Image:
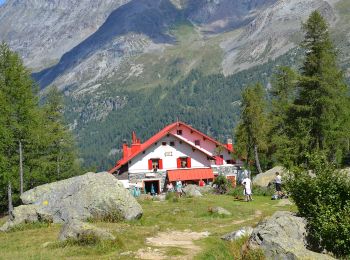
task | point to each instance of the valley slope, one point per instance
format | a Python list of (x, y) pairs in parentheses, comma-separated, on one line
[(140, 64)]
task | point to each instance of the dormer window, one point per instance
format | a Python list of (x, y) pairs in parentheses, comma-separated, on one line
[(197, 142), (179, 132), (163, 143)]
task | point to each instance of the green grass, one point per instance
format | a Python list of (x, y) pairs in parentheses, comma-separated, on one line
[(186, 214)]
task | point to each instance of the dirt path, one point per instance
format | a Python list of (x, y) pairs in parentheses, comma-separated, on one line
[(182, 240), (257, 214)]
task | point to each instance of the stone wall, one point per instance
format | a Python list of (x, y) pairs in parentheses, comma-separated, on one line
[(229, 170), (141, 176)]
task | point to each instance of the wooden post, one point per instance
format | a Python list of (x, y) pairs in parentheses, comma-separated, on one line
[(21, 167)]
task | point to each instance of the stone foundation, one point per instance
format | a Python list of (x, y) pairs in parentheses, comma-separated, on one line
[(144, 176), (229, 170)]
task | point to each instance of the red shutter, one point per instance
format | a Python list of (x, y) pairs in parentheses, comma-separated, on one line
[(188, 162), (150, 164), (160, 164), (178, 163)]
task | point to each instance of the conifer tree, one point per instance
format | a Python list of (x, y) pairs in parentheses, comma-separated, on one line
[(19, 116), (319, 116), (63, 154), (282, 96), (251, 131), (35, 145)]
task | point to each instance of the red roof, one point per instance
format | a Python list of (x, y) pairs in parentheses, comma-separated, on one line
[(190, 174), (166, 130)]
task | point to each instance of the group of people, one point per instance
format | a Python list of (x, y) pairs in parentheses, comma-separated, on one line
[(178, 187), (247, 184)]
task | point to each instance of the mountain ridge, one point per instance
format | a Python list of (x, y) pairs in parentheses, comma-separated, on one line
[(142, 64)]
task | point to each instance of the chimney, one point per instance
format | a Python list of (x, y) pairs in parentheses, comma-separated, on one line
[(229, 144), (136, 143), (125, 149)]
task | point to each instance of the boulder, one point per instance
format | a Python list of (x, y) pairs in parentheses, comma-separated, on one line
[(192, 190), (21, 215), (220, 211), (242, 232), (89, 196), (283, 236), (206, 189), (80, 231), (265, 178), (160, 197)]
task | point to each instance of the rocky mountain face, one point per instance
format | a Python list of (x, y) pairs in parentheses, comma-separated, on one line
[(42, 31), (109, 55), (81, 43), (272, 33)]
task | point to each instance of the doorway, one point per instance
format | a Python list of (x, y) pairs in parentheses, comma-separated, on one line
[(152, 186)]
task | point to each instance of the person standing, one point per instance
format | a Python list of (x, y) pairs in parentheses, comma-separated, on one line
[(247, 183), (170, 187), (178, 188), (278, 184)]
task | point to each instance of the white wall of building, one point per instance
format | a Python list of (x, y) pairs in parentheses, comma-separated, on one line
[(169, 155), (205, 144)]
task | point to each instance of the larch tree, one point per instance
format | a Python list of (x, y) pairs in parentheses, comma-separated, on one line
[(62, 151), (251, 131), (36, 147), (19, 115), (282, 95), (320, 112)]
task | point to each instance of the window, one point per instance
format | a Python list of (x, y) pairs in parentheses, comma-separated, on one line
[(179, 132), (184, 162), (197, 142), (230, 162), (172, 143), (155, 164), (163, 143)]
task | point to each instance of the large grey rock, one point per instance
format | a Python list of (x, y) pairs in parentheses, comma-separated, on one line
[(220, 211), (89, 196), (21, 215), (242, 232), (77, 230), (192, 191), (283, 236), (263, 179)]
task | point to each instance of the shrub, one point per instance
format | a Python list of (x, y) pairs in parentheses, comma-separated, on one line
[(263, 191), (236, 192), (323, 198), (222, 184)]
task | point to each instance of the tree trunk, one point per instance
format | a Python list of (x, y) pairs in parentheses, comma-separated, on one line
[(58, 166), (21, 167), (9, 195), (257, 162)]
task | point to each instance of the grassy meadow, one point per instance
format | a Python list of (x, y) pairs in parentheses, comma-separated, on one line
[(39, 241)]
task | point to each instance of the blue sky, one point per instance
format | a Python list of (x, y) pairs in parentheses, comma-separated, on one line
[(2, 1)]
